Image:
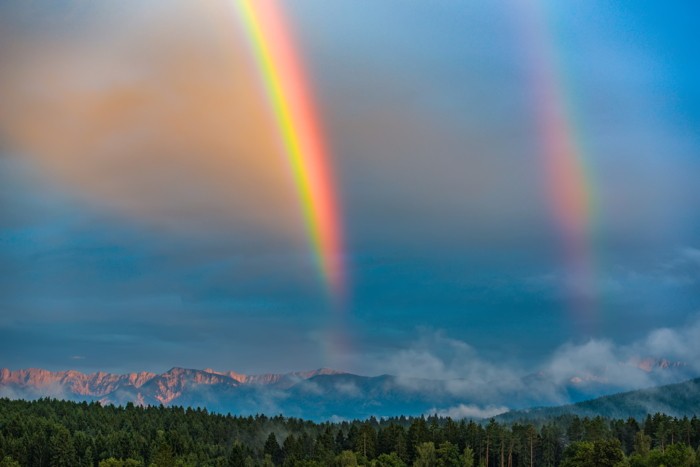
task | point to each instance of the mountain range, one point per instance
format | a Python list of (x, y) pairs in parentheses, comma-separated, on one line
[(317, 394), (325, 394), (145, 387)]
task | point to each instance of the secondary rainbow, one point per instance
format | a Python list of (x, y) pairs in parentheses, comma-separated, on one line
[(292, 105), (562, 157)]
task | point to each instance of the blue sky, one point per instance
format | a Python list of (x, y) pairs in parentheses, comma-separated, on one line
[(124, 246)]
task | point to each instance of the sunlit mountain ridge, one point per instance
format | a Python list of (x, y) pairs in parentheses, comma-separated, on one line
[(321, 394)]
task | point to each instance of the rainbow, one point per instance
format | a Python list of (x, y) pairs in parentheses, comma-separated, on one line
[(292, 105), (567, 178)]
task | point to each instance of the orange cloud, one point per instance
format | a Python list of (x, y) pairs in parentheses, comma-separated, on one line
[(154, 111)]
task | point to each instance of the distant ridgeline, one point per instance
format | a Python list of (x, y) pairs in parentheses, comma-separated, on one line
[(679, 400), (49, 432), (325, 394)]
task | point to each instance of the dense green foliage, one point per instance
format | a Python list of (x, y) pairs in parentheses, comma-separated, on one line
[(59, 433)]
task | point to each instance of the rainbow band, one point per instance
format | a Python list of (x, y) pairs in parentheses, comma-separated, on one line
[(569, 186), (294, 112)]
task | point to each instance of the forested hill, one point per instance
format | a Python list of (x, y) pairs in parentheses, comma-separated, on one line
[(47, 433), (678, 400)]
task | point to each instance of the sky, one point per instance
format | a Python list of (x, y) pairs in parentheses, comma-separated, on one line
[(516, 184)]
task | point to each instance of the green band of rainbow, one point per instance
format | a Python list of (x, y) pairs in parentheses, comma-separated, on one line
[(294, 112)]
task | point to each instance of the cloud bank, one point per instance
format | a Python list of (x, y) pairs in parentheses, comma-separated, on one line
[(573, 372)]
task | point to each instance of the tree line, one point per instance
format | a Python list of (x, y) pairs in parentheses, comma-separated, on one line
[(49, 432)]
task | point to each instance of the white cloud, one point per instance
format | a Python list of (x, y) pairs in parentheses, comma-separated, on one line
[(681, 344), (349, 389), (593, 367), (464, 373), (596, 361), (469, 411)]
